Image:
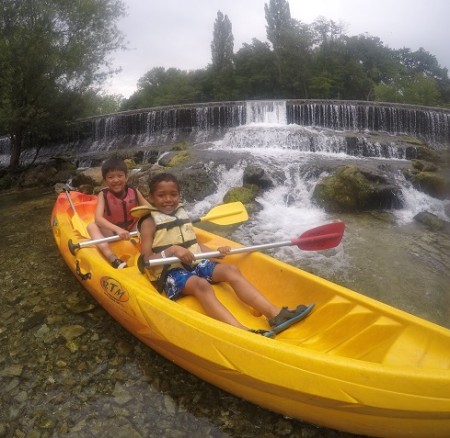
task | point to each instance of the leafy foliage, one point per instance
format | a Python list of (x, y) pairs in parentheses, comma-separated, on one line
[(311, 61), (52, 54), (222, 44)]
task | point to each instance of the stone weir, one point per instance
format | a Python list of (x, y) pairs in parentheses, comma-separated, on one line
[(210, 121)]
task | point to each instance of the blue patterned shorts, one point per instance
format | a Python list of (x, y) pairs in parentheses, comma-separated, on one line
[(177, 277)]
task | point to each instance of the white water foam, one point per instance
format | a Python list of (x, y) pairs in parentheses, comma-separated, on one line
[(416, 202), (225, 179)]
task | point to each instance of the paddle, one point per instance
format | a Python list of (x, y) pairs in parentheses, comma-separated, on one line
[(316, 239), (225, 214), (77, 222)]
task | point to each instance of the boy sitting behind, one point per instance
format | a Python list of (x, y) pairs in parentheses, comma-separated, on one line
[(167, 232), (112, 215)]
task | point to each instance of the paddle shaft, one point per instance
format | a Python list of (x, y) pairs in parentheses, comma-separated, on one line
[(211, 254), (70, 201), (73, 247)]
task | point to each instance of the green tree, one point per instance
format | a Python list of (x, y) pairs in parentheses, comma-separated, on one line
[(222, 45), (52, 54), (255, 72), (221, 70), (417, 80), (161, 87), (415, 90), (278, 17), (292, 44)]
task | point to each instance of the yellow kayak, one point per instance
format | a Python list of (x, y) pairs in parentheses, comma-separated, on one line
[(355, 364)]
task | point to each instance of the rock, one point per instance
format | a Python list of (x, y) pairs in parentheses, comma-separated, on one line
[(82, 179), (424, 166), (40, 175), (350, 190), (59, 187), (34, 320), (431, 221), (245, 194), (94, 173), (78, 308), (131, 164), (432, 183), (427, 154), (256, 175), (12, 371), (174, 159), (195, 181), (121, 395), (70, 332)]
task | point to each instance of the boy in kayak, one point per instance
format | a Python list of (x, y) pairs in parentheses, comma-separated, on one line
[(112, 215), (168, 232)]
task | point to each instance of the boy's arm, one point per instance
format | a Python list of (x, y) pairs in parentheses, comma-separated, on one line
[(147, 233)]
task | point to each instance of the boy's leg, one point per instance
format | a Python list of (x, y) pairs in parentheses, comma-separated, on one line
[(97, 233), (245, 290), (203, 291)]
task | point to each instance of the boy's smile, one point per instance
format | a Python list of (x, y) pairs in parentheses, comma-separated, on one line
[(165, 197), (116, 181)]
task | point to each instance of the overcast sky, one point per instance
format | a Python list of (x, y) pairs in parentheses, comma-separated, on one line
[(178, 33)]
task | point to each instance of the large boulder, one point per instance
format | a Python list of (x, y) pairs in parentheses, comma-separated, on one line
[(349, 189), (245, 194), (257, 176), (196, 182), (426, 175)]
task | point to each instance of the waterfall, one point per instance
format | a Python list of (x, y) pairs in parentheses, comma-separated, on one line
[(307, 123), (429, 124), (361, 129), (325, 129), (266, 112)]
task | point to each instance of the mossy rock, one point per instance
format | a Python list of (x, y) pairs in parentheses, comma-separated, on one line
[(178, 159), (427, 154), (412, 140), (182, 146), (131, 164), (433, 184), (350, 190), (245, 194), (424, 166)]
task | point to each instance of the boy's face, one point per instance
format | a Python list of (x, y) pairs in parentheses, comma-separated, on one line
[(166, 197), (116, 181)]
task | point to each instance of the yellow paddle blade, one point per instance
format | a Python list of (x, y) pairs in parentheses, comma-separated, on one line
[(140, 211), (224, 214), (80, 226)]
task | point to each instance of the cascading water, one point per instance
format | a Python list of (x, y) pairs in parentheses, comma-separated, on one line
[(385, 255)]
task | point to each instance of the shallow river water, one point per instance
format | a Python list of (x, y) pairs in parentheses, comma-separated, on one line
[(68, 369)]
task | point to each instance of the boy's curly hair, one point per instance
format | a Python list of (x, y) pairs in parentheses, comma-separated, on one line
[(160, 177)]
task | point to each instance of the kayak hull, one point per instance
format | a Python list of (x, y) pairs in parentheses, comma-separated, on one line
[(354, 364)]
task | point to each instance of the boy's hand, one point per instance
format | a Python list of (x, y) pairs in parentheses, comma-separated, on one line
[(123, 234), (182, 253), (224, 250)]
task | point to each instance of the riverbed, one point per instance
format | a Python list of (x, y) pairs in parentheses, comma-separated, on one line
[(68, 369)]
